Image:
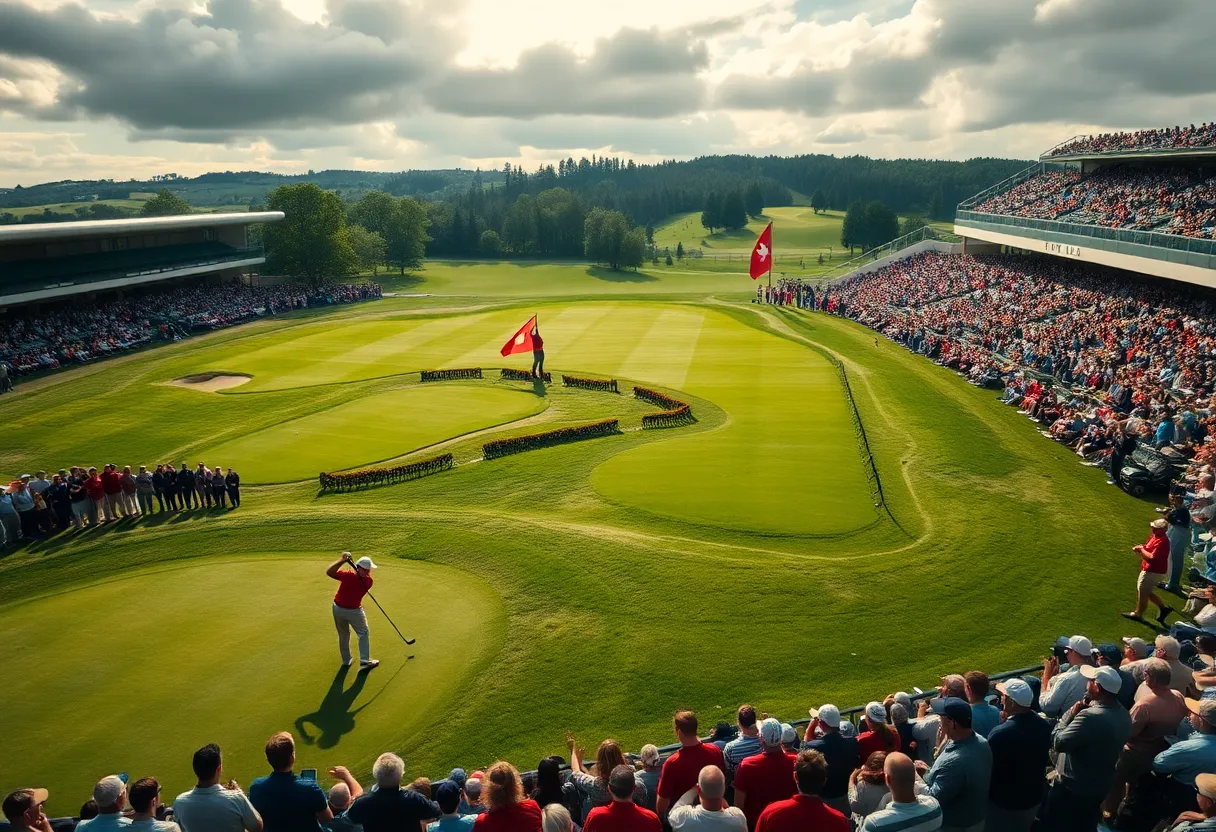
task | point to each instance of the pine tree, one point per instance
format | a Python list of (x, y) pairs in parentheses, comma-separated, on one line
[(753, 200)]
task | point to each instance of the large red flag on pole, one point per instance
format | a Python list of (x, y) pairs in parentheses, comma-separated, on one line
[(522, 340), (762, 254)]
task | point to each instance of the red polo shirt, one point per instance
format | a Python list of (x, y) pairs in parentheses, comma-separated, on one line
[(620, 816), (680, 772), (1157, 547), (514, 817), (764, 778), (111, 482), (799, 814), (92, 487), (351, 589)]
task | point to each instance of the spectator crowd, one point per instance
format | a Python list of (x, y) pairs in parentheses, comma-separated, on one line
[(65, 334), (1122, 735), (33, 507), (1162, 138), (1165, 200)]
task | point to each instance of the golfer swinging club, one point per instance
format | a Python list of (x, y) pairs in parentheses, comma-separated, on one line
[(348, 607)]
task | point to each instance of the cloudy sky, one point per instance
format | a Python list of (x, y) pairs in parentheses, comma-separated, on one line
[(130, 88)]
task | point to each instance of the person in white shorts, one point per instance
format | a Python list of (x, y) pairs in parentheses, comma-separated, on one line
[(348, 607)]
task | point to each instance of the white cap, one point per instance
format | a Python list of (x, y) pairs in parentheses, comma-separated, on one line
[(650, 755), (1107, 677), (875, 712), (905, 700), (108, 790), (1017, 690), (770, 732), (1082, 645), (1138, 644), (829, 715), (789, 736), (365, 563)]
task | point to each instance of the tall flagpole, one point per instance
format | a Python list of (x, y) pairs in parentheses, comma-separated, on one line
[(771, 258)]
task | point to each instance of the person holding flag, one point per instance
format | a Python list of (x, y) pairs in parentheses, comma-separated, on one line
[(762, 254), (526, 339), (538, 352)]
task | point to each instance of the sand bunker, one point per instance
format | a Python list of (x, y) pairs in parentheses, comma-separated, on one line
[(211, 382)]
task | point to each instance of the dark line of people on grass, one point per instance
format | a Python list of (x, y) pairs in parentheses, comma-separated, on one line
[(32, 507), (1125, 732)]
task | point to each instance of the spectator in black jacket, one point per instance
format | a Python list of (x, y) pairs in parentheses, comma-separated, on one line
[(185, 488), (218, 488), (233, 482), (840, 752), (1020, 760), (158, 485)]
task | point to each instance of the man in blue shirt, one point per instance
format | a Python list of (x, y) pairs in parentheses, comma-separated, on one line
[(961, 776), (388, 807), (1020, 759), (1187, 759), (747, 744), (984, 717), (286, 802)]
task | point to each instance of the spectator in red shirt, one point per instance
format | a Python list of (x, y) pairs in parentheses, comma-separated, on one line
[(111, 484), (804, 811), (622, 814), (97, 496), (766, 777), (506, 808), (1154, 564), (681, 769), (348, 608), (878, 736)]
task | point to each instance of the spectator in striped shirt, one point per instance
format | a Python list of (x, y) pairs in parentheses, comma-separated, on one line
[(747, 744), (907, 811)]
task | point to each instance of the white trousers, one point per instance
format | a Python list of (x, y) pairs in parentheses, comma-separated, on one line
[(344, 620)]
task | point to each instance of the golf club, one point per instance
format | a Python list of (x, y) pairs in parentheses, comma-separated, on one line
[(377, 603)]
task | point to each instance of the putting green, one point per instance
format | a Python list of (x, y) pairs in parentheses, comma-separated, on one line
[(789, 434), (370, 429), (137, 672)]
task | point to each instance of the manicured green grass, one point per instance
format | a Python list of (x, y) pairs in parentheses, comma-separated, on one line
[(605, 583), (134, 203), (796, 229)]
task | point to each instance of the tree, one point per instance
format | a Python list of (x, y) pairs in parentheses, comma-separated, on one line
[(401, 221), (490, 243), (633, 248), (311, 241), (669, 258), (734, 215), (605, 235), (165, 204), (711, 214), (913, 223), (819, 201), (880, 225), (369, 247), (935, 204), (679, 251), (650, 233), (753, 200), (851, 228)]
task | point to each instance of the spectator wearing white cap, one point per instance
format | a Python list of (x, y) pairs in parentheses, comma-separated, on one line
[(961, 775), (348, 607), (1186, 759), (1061, 690), (877, 736), (1088, 741), (765, 777), (789, 738), (839, 752), (1154, 717), (748, 741), (1020, 748), (1203, 820), (1168, 649), (927, 727), (1135, 649), (111, 796), (652, 767)]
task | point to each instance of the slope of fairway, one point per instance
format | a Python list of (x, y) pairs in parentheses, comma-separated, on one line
[(737, 476), (370, 429), (795, 229), (134, 672)]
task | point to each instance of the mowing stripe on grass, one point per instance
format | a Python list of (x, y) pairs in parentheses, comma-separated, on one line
[(664, 354)]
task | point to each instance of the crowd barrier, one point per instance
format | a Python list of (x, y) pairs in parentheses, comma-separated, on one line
[(603, 385), (674, 413), (533, 441), (451, 375), (350, 480), (524, 375)]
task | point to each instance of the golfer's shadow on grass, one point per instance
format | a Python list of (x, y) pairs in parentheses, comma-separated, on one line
[(334, 717)]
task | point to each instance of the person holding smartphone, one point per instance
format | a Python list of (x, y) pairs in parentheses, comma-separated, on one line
[(348, 607)]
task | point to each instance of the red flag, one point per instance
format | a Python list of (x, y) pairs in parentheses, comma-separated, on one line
[(522, 340), (762, 254)]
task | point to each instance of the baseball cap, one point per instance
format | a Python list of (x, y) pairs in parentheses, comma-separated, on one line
[(458, 777), (1107, 677), (788, 734), (954, 708), (1111, 653), (447, 794), (108, 790), (770, 732), (905, 700), (1138, 644), (22, 800), (1017, 690), (1081, 644), (829, 715), (649, 755), (1205, 784), (1206, 708), (875, 712), (365, 562)]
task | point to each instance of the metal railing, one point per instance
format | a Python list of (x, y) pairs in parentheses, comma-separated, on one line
[(1148, 239), (927, 232), (1003, 185)]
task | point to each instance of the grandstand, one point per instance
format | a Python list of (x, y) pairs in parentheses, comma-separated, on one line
[(53, 261), (1143, 201)]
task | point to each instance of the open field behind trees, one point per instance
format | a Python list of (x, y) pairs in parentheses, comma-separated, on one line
[(543, 587)]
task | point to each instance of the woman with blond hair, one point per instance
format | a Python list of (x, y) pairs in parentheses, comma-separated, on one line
[(557, 819), (502, 793), (592, 789)]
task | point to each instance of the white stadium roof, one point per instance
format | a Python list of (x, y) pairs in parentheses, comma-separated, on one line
[(33, 232)]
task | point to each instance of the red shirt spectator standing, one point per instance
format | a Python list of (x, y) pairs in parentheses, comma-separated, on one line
[(765, 778), (1154, 564), (622, 814), (878, 736), (682, 768), (804, 811)]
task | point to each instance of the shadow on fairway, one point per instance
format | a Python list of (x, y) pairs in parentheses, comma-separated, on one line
[(334, 716), (612, 276)]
